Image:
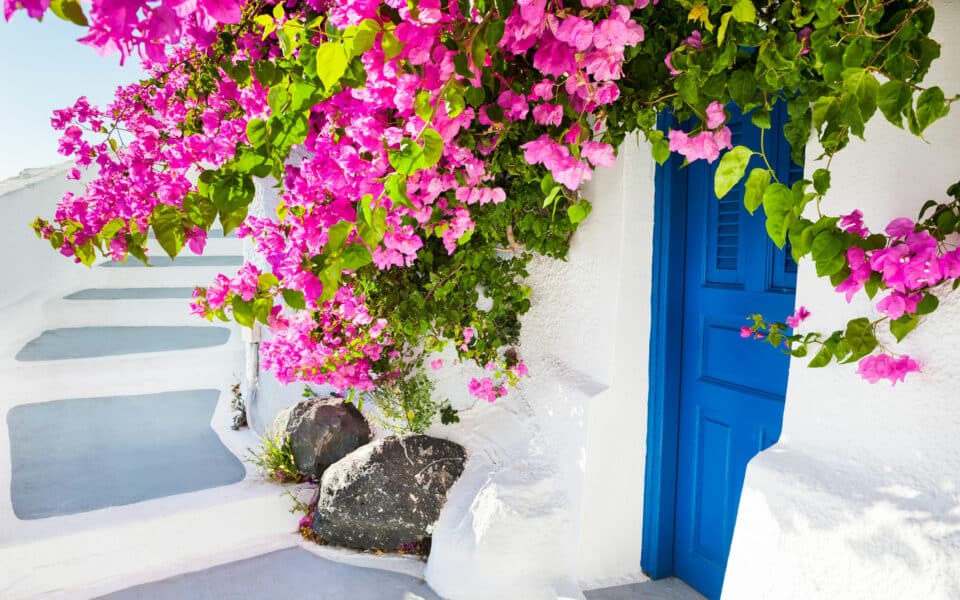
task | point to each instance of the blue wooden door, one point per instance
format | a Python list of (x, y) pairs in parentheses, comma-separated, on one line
[(731, 389)]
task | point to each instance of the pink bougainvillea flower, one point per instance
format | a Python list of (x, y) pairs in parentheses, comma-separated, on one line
[(224, 11), (599, 154), (883, 366), (666, 61), (746, 331), (548, 114), (803, 36), (853, 223), (436, 365), (715, 115), (899, 228), (798, 317)]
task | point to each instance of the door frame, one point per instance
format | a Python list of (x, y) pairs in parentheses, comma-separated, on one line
[(663, 406)]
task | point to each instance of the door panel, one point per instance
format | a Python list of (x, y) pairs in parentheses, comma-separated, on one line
[(731, 389)]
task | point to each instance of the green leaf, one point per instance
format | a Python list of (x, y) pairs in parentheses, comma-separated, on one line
[(893, 98), (355, 256), (199, 210), (778, 207), (330, 278), (722, 31), (551, 196), (872, 285), (931, 105), (927, 304), (256, 132), (336, 236), (742, 86), (578, 212), (421, 105), (821, 181), (494, 32), (294, 299), (432, 147), (357, 39), (478, 51), (821, 359), (265, 72), (242, 311), (390, 44), (862, 85), (454, 101), (826, 245), (409, 158), (267, 281), (331, 63), (108, 231), (744, 11), (69, 10), (167, 225), (761, 118), (731, 169), (754, 188), (904, 325), (860, 338), (475, 96), (396, 188), (231, 219)]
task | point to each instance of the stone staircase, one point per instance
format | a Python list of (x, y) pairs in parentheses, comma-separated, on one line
[(117, 454)]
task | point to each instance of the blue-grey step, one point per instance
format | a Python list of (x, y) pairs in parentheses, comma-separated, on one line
[(291, 574), (180, 261), (89, 342), (149, 293), (72, 456), (670, 588)]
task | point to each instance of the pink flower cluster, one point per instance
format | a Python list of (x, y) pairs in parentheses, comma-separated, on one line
[(706, 144), (150, 26), (883, 366), (337, 345), (911, 263)]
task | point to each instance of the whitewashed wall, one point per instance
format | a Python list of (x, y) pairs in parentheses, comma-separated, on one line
[(861, 497), (551, 500)]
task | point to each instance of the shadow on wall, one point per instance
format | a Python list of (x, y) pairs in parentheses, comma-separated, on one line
[(901, 510)]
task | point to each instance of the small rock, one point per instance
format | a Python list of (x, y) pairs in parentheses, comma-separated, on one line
[(387, 493), (322, 431)]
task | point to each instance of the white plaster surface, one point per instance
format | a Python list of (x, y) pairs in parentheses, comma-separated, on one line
[(861, 497)]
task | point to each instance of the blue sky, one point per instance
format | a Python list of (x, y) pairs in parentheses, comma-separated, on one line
[(43, 68)]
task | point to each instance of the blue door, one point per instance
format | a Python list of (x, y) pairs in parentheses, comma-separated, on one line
[(731, 390)]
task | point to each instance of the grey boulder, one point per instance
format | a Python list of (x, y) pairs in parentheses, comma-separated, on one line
[(387, 493), (322, 431)]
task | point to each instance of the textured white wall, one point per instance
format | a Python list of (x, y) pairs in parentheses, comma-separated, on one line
[(861, 497)]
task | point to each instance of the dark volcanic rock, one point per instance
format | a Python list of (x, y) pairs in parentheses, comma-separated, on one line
[(387, 493), (322, 431)]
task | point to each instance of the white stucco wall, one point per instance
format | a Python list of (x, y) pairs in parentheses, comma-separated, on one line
[(861, 497)]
